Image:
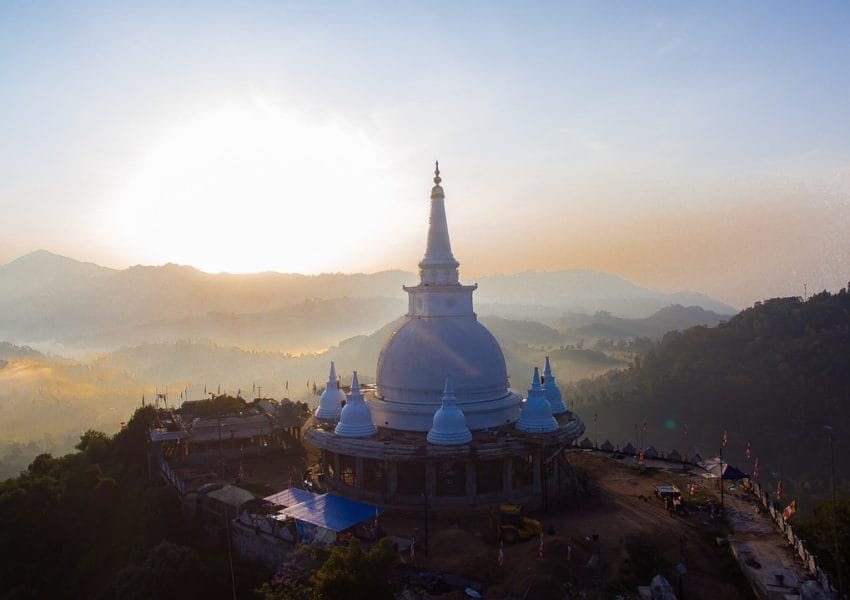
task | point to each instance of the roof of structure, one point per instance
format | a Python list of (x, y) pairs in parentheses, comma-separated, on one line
[(331, 512), (290, 497), (231, 495)]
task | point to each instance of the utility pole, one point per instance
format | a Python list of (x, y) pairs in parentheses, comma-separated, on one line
[(425, 495)]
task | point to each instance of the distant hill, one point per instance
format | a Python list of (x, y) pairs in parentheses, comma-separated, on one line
[(9, 351), (49, 298), (533, 294), (774, 375), (670, 318), (46, 298)]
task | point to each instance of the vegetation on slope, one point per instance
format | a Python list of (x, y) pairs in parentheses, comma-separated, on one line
[(773, 376), (92, 525)]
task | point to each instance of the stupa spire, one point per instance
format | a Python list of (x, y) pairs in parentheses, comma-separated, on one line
[(449, 424), (536, 416), (553, 394), (332, 375), (355, 419), (330, 403), (438, 266)]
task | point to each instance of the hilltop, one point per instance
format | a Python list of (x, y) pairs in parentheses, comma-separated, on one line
[(774, 375)]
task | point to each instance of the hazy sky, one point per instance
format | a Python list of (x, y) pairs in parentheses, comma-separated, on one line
[(680, 145)]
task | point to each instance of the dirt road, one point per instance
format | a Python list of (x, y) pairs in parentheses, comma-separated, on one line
[(602, 545)]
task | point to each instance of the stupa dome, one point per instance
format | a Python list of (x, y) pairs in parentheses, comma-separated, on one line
[(330, 402), (536, 415), (441, 335), (449, 424), (553, 394), (355, 419)]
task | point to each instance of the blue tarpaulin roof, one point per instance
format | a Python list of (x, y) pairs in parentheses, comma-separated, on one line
[(290, 497), (332, 512)]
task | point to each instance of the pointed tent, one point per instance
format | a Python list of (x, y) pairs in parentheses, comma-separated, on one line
[(715, 466), (586, 443), (607, 446), (628, 449), (674, 455)]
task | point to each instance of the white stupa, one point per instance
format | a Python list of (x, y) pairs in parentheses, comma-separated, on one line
[(536, 416), (355, 420), (449, 424), (330, 403), (453, 440), (441, 335), (553, 394)]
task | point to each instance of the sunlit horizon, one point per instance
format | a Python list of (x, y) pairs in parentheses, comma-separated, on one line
[(680, 147)]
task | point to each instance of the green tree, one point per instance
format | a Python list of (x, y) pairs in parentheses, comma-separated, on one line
[(169, 571), (349, 572), (294, 579), (821, 534)]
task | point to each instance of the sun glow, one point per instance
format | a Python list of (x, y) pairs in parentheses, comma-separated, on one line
[(253, 188)]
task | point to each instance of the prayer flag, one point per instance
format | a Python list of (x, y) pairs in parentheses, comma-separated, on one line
[(789, 510), (779, 490), (500, 558), (725, 438), (540, 547), (749, 450)]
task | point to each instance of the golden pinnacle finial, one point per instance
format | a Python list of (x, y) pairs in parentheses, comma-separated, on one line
[(437, 179)]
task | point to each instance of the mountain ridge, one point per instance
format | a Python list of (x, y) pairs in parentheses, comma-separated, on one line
[(46, 297)]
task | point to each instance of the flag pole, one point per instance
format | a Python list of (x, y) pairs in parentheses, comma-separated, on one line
[(722, 505)]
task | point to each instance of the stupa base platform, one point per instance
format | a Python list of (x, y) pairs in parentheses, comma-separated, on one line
[(402, 470)]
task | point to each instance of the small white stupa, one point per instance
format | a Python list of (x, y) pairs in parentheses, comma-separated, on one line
[(449, 426), (355, 420), (536, 416), (330, 403), (553, 394)]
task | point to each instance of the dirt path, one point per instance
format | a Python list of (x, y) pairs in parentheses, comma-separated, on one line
[(616, 538)]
